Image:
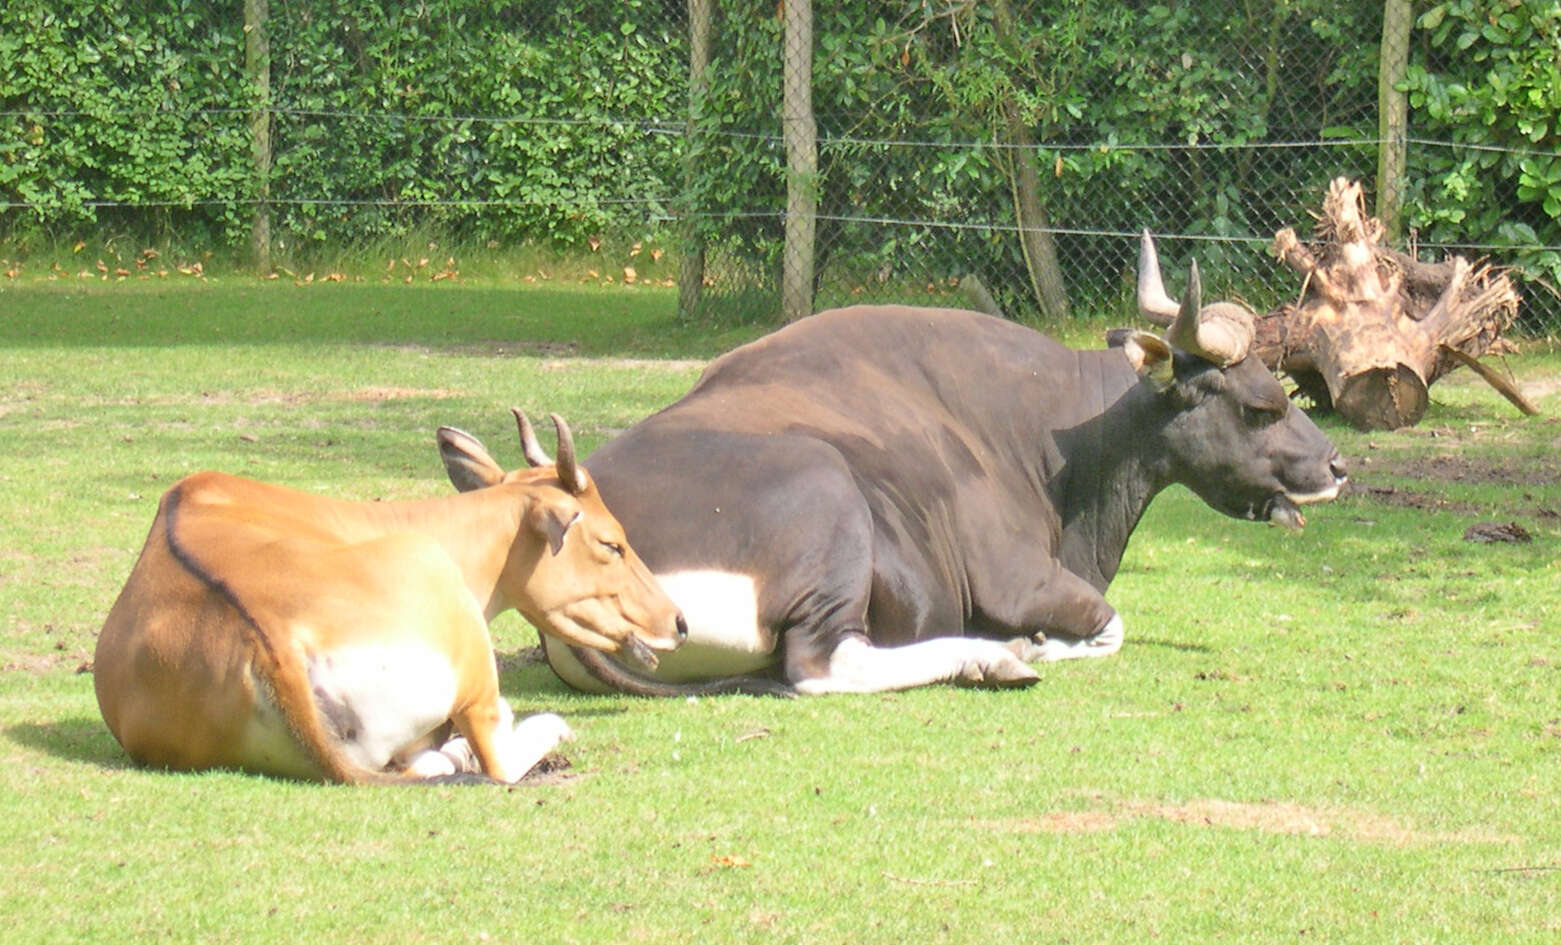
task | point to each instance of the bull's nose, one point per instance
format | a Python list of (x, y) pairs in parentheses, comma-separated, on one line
[(682, 626), (1336, 466)]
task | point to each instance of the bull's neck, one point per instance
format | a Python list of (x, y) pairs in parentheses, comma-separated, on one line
[(1111, 469), (476, 529)]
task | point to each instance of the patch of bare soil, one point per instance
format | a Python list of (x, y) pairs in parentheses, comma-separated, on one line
[(1427, 473), (1474, 470), (1274, 817), (499, 349), (552, 769), (75, 660), (1407, 498), (627, 364), (375, 394)]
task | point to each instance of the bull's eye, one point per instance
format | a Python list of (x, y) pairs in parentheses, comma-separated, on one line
[(613, 548), (1262, 416)]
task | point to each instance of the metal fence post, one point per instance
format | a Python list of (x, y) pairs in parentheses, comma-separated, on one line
[(1392, 114), (801, 134), (257, 66)]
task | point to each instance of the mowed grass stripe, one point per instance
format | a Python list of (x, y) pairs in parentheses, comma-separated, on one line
[(1351, 734)]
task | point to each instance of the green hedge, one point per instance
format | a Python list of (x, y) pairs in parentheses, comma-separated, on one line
[(145, 104), (555, 120), (109, 102)]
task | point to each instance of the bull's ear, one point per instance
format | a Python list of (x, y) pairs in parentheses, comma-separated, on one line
[(466, 462), (1151, 357), (552, 520)]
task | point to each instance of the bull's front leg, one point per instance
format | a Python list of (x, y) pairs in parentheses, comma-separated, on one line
[(1050, 648), (1072, 621), (856, 665)]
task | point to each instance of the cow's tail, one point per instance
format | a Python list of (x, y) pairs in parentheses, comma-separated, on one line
[(280, 669), (609, 672)]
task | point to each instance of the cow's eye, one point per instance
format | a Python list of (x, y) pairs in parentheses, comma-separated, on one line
[(613, 548)]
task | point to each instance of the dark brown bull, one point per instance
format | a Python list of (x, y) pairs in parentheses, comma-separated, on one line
[(884, 497)]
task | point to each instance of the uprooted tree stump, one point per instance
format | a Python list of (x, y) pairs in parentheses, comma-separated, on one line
[(1374, 327)]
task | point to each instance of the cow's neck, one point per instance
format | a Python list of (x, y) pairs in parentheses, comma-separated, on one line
[(1111, 471), (476, 529)]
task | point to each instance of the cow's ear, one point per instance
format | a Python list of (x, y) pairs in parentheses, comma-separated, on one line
[(466, 462), (1151, 357), (552, 518)]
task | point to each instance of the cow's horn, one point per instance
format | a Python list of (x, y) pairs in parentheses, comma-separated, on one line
[(1153, 303), (533, 451), (569, 472)]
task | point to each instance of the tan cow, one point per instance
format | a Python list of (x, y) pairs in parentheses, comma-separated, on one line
[(285, 633)]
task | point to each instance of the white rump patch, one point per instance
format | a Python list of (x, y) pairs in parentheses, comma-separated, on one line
[(724, 636)]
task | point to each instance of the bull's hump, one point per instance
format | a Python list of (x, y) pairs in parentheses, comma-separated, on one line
[(889, 346)]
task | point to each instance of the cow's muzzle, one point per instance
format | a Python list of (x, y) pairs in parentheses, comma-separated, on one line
[(639, 652)]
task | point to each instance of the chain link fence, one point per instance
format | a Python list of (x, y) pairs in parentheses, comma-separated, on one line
[(1007, 155), (990, 153)]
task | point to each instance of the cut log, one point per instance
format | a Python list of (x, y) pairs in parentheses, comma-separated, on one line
[(1374, 327)]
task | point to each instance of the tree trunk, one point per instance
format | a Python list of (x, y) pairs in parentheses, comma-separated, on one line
[(801, 134), (1374, 327), (1035, 239)]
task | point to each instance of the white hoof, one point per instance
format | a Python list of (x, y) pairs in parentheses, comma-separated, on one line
[(532, 738), (431, 764), (1104, 643), (547, 727)]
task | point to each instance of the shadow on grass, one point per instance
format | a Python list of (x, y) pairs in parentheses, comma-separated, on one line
[(468, 320), (1168, 644), (82, 739)]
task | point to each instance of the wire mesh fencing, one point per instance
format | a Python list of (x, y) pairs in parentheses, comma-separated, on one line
[(998, 153), (1007, 155)]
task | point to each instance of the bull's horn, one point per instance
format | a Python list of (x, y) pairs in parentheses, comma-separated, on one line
[(569, 472), (1153, 303), (534, 453), (1225, 333), (1221, 333), (1184, 328)]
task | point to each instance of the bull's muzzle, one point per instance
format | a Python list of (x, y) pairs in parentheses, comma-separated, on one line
[(1284, 510)]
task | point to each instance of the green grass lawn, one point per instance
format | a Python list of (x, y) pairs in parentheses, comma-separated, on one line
[(1348, 735)]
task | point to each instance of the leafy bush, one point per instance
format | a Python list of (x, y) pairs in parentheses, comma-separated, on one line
[(110, 102), (1490, 82), (520, 121)]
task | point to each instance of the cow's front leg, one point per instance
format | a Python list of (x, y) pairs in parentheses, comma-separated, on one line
[(858, 666), (518, 749)]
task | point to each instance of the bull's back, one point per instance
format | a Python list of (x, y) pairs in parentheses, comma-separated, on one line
[(863, 363), (854, 443)]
